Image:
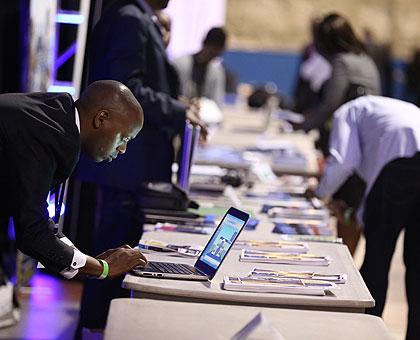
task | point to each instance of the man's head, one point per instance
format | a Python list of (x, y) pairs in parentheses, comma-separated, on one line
[(110, 116), (214, 43)]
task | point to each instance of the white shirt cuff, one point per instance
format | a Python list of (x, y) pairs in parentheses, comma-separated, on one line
[(78, 261)]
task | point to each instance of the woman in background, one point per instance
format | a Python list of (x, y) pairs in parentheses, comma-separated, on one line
[(353, 74)]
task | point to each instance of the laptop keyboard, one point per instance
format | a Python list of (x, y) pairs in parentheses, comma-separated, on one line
[(171, 268)]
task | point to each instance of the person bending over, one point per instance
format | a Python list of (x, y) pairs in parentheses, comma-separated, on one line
[(379, 138), (41, 136)]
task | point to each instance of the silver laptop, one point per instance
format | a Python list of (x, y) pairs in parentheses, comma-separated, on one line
[(210, 259)]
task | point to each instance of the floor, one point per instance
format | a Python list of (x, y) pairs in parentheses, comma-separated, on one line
[(50, 306), (50, 310)]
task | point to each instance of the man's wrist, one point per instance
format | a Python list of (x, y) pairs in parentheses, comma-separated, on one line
[(105, 269), (93, 268)]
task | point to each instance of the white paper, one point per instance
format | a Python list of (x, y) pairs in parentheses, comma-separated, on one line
[(264, 172)]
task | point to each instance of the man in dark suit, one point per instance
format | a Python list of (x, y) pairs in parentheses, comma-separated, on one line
[(127, 45), (41, 135)]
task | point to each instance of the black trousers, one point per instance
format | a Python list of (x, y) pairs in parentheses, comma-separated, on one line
[(119, 222), (393, 204)]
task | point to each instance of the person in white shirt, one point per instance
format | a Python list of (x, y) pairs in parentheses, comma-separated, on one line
[(379, 138)]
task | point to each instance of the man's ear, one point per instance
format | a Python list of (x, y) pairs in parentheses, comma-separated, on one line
[(100, 118)]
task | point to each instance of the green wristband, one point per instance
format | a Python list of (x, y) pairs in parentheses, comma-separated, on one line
[(105, 270)]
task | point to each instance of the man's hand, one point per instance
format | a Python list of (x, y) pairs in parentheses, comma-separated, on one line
[(296, 126), (194, 119), (338, 209), (193, 116), (122, 260), (309, 193)]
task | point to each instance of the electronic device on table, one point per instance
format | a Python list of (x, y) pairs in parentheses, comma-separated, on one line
[(211, 258)]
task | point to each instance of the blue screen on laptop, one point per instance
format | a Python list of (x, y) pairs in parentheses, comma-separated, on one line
[(221, 241)]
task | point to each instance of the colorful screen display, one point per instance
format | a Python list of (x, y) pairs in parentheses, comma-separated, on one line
[(221, 241)]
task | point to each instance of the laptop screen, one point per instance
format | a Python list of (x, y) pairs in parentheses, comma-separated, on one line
[(221, 241), (189, 144)]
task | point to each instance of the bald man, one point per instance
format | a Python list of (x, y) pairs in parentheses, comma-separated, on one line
[(41, 136)]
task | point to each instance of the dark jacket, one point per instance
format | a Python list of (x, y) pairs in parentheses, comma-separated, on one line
[(126, 45), (39, 147)]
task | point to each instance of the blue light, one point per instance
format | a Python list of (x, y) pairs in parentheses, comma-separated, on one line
[(69, 18), (51, 207), (65, 56)]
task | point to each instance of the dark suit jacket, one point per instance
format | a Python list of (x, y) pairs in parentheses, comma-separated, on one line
[(126, 45), (39, 147)]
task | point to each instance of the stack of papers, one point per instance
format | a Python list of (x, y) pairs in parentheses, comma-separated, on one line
[(221, 155), (289, 158), (277, 285), (295, 226), (290, 116), (159, 246), (300, 213), (288, 193), (265, 144), (312, 238), (205, 229), (307, 275), (290, 203), (249, 255), (282, 246)]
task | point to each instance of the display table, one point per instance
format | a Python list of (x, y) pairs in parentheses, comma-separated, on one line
[(243, 128), (151, 319), (353, 296)]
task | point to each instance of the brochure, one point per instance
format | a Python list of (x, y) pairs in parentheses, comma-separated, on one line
[(249, 255), (294, 226), (312, 238), (182, 250), (277, 285), (292, 203), (299, 213), (280, 246), (185, 228), (264, 273)]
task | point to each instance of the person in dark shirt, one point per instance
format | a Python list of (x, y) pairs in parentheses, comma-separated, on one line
[(41, 136)]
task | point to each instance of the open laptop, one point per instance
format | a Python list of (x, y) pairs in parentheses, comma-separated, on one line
[(210, 259), (189, 144)]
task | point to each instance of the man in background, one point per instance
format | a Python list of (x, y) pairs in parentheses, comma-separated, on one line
[(379, 138), (201, 74)]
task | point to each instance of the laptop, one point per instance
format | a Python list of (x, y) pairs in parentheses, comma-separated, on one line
[(189, 144), (210, 259)]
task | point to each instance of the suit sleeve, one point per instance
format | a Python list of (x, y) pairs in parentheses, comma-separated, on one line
[(127, 64), (33, 167)]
